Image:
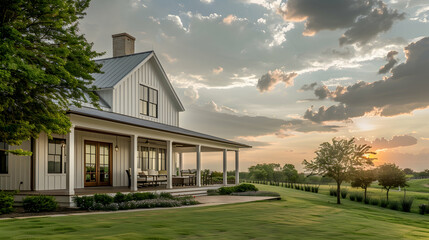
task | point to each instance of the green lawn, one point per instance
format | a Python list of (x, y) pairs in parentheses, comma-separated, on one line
[(300, 215)]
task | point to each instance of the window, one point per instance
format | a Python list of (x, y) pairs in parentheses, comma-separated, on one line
[(144, 158), (3, 158), (161, 159), (56, 148), (148, 101)]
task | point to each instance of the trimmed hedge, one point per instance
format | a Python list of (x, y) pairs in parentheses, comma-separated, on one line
[(6, 202), (40, 203), (244, 187)]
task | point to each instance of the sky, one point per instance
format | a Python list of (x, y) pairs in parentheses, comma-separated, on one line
[(285, 76)]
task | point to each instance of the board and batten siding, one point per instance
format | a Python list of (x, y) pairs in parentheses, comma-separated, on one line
[(126, 97), (19, 170), (120, 159)]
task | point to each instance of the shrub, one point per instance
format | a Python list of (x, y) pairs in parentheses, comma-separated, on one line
[(316, 189), (142, 196), (119, 197), (333, 192), (84, 202), (188, 201), (258, 193), (166, 195), (406, 204), (422, 209), (245, 187), (383, 203), (344, 192), (352, 196), (226, 190), (394, 205), (127, 205), (374, 201), (359, 197), (111, 207), (6, 202), (103, 199), (40, 203)]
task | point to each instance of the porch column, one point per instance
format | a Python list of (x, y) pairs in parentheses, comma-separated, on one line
[(71, 162), (133, 163), (198, 166), (169, 164), (225, 175), (237, 169), (180, 163)]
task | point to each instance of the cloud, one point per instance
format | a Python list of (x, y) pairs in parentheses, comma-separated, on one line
[(278, 34), (177, 20), (308, 87), (363, 19), (416, 161), (322, 92), (191, 93), (261, 21), (401, 93), (169, 58), (232, 18), (207, 1), (382, 143), (391, 61), (270, 79), (217, 70), (221, 121)]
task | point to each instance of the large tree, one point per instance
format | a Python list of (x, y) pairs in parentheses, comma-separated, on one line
[(265, 171), (339, 160), (45, 66), (363, 179), (390, 176), (290, 173)]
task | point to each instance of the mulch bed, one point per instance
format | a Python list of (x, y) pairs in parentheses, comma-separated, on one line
[(19, 212)]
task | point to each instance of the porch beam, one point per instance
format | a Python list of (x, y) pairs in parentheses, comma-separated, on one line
[(169, 164), (237, 168), (70, 161), (133, 162), (198, 175), (225, 175)]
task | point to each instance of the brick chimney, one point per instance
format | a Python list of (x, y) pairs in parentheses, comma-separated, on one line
[(123, 44)]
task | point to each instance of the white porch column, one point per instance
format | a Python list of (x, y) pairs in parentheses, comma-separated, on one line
[(133, 162), (198, 166), (180, 163), (169, 164), (225, 175), (237, 169), (70, 162)]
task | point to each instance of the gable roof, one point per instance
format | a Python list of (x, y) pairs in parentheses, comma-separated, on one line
[(116, 68), (120, 118)]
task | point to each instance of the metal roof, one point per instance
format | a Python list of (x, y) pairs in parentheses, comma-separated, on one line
[(114, 69), (115, 117)]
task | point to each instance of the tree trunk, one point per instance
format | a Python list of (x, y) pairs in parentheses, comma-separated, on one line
[(387, 194), (338, 193), (365, 193)]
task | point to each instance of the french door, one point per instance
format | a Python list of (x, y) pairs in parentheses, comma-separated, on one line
[(98, 164)]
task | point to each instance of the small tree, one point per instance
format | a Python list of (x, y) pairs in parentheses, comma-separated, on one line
[(339, 160), (363, 179), (390, 176)]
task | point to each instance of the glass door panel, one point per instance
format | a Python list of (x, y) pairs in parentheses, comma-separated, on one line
[(97, 163)]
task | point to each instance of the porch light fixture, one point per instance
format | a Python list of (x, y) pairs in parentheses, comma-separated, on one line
[(116, 147)]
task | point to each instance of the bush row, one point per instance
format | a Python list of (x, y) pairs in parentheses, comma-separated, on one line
[(6, 202), (131, 201), (404, 205), (297, 186)]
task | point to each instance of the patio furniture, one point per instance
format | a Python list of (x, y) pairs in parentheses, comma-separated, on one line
[(180, 180)]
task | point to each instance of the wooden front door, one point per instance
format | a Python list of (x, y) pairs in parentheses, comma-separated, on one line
[(98, 164)]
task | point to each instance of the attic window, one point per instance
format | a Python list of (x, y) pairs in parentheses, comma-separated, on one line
[(148, 101)]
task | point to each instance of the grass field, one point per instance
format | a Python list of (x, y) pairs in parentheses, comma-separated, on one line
[(299, 215)]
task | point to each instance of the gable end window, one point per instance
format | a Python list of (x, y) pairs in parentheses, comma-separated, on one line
[(148, 101), (56, 154), (3, 158)]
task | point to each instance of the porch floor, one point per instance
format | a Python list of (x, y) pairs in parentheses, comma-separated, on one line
[(112, 190)]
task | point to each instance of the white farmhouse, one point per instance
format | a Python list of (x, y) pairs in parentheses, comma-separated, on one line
[(134, 141)]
